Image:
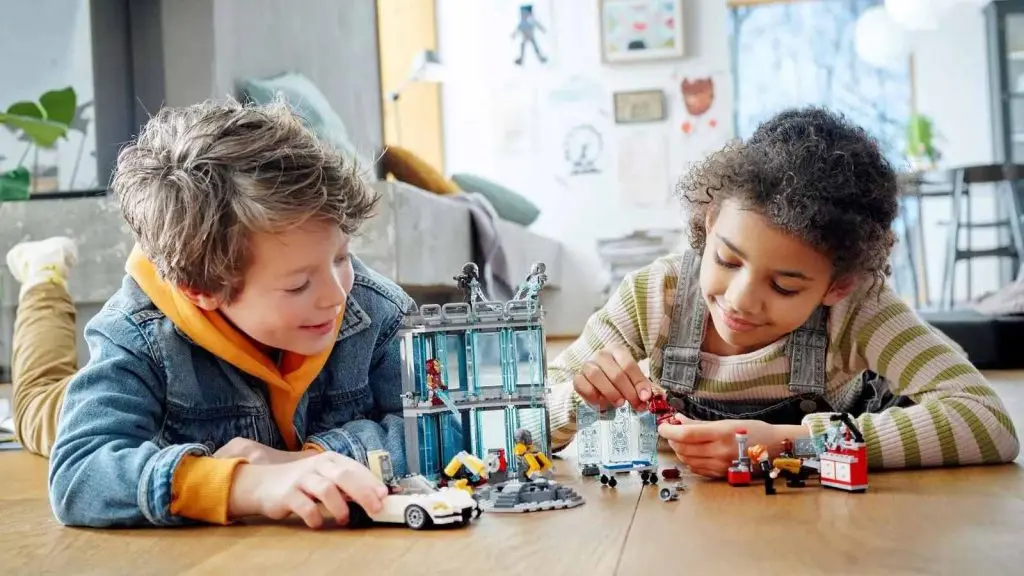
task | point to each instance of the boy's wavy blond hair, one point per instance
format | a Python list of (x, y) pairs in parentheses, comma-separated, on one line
[(201, 180)]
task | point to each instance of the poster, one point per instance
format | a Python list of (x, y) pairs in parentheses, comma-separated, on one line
[(530, 27), (579, 123), (644, 173)]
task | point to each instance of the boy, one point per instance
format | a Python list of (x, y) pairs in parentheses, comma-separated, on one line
[(249, 361), (780, 314)]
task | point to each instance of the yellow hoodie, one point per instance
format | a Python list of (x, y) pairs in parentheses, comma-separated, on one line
[(202, 485)]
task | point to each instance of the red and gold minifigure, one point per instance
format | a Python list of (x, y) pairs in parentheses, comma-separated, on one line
[(434, 381)]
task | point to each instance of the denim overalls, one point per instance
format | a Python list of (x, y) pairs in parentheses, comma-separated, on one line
[(806, 349)]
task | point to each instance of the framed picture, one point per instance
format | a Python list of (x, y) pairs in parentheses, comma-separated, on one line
[(641, 30), (639, 106)]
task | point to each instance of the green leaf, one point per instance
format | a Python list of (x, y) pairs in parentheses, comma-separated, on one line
[(43, 133), (14, 184), (27, 109), (60, 105)]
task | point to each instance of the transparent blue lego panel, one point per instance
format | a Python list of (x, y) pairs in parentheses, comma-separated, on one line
[(453, 435), (536, 421), (456, 373), (619, 439), (647, 437), (430, 458), (529, 357), (615, 438), (489, 431), (486, 348), (588, 436)]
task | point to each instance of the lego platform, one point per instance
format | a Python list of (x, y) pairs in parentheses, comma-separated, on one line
[(942, 521)]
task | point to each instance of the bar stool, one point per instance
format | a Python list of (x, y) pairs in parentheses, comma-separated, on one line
[(1006, 178)]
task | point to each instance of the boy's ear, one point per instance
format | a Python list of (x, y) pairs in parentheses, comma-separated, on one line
[(204, 301), (840, 289)]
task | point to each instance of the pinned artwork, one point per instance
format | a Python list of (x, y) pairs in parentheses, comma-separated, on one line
[(583, 146), (525, 34), (639, 106), (639, 30), (698, 96)]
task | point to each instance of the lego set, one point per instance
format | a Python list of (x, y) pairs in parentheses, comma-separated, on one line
[(838, 457), (474, 387)]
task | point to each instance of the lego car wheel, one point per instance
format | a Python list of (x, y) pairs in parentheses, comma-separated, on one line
[(644, 476), (612, 482), (653, 478), (416, 517), (604, 478)]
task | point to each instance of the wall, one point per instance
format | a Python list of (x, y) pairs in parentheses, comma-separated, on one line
[(509, 123), (952, 86), (211, 44)]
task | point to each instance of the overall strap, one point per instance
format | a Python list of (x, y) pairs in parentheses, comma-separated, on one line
[(681, 358), (807, 349)]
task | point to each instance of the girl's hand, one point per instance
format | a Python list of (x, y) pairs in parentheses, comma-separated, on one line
[(709, 448), (612, 378)]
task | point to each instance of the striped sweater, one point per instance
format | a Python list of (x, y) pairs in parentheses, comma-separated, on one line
[(957, 418)]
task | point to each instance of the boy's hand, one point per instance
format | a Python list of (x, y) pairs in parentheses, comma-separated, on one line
[(709, 448), (612, 378), (328, 478), (256, 453)]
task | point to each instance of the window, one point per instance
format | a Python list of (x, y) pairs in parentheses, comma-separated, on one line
[(52, 45)]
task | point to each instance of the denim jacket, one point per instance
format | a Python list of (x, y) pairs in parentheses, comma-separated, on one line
[(149, 396)]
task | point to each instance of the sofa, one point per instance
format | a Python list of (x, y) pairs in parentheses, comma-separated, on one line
[(418, 239)]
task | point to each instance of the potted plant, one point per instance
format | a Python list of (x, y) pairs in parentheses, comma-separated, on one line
[(41, 124), (921, 150)]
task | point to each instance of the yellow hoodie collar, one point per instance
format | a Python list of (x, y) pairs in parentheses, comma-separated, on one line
[(286, 382)]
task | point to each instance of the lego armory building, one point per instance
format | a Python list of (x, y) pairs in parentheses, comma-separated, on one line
[(474, 372)]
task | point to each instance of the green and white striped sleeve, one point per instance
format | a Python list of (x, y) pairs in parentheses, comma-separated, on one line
[(631, 318), (957, 419)]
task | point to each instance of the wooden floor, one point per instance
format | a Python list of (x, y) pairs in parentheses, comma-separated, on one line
[(954, 521)]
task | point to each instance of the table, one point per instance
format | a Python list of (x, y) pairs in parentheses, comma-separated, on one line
[(940, 521)]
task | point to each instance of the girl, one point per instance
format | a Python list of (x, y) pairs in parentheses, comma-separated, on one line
[(781, 315)]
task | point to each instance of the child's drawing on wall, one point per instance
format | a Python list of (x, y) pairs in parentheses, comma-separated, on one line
[(698, 96), (526, 31)]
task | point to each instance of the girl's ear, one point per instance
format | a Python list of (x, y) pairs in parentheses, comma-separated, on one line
[(204, 301), (840, 289)]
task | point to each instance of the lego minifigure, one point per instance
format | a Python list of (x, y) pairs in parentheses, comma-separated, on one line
[(787, 449), (469, 282), (530, 288), (534, 463), (658, 406), (759, 453), (434, 382)]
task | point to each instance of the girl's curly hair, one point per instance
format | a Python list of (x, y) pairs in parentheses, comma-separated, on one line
[(812, 174)]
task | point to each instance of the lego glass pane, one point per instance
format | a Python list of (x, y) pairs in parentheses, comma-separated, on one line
[(455, 365), (487, 362), (490, 428), (529, 358), (453, 435), (588, 436), (535, 420)]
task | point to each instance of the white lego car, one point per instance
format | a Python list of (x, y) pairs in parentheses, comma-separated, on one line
[(415, 502)]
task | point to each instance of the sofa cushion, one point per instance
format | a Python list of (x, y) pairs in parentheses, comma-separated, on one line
[(309, 103), (508, 204), (407, 167)]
